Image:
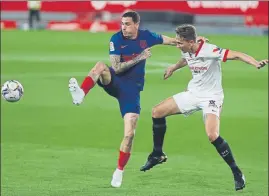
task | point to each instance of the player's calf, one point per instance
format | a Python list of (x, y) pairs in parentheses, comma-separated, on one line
[(159, 130), (130, 121), (127, 142), (223, 148), (159, 113)]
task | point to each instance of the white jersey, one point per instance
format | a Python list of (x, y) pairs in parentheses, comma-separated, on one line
[(205, 66)]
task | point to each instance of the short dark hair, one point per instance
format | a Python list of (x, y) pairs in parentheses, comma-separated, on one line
[(132, 14), (187, 32)]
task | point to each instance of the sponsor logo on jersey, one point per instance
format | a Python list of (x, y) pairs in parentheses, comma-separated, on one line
[(194, 68)]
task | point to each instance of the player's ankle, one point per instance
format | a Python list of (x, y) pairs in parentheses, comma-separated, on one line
[(235, 169), (120, 168), (157, 152)]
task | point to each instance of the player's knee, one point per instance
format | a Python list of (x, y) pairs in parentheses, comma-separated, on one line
[(133, 118), (155, 113), (212, 135), (100, 66), (131, 121), (98, 69), (212, 127)]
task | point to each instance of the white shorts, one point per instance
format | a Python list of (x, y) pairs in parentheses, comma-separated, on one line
[(188, 103)]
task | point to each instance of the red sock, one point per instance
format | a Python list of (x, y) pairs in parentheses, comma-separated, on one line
[(123, 159), (87, 84)]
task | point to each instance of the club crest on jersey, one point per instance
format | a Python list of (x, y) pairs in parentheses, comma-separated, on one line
[(143, 43)]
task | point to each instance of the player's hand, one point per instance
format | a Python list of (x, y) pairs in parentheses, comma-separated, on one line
[(201, 38), (168, 72), (262, 63), (146, 53)]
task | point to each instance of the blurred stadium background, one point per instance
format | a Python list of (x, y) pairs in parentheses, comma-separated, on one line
[(245, 17), (49, 147)]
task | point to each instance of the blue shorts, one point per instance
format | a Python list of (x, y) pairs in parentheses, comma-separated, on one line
[(127, 93)]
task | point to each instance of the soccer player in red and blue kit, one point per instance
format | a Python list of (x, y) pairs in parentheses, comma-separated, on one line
[(129, 49)]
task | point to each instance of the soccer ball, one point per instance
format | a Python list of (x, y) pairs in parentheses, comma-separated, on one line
[(12, 91)]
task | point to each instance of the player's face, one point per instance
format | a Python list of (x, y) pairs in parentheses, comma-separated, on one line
[(128, 27), (184, 45)]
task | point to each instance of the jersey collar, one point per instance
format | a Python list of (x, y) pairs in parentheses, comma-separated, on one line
[(199, 48), (138, 33)]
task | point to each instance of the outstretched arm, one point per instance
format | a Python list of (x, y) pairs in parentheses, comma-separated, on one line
[(172, 41), (120, 67), (235, 55), (168, 40), (170, 70)]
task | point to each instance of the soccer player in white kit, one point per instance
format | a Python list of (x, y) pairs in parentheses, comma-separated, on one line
[(204, 93)]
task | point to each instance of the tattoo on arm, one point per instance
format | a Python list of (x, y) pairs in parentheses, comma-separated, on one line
[(120, 67)]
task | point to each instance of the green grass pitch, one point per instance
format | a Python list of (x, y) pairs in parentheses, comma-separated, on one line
[(51, 147)]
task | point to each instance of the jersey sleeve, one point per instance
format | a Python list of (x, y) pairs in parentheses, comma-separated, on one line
[(217, 52), (155, 38), (114, 46)]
